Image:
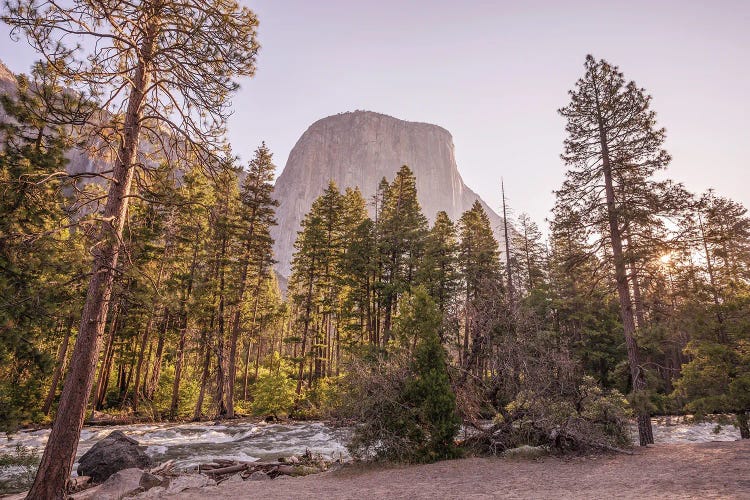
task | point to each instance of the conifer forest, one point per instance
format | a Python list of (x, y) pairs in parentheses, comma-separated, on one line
[(146, 289)]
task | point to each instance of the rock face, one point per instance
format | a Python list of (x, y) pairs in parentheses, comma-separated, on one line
[(359, 149), (7, 80), (114, 453), (78, 160)]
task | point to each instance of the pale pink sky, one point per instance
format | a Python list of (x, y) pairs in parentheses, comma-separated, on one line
[(494, 73)]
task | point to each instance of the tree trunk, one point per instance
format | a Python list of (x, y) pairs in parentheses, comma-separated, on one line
[(742, 423), (156, 371), (144, 382), (221, 405), (721, 333), (246, 373), (59, 454), (236, 327), (59, 367), (508, 266), (103, 379), (257, 358), (198, 412), (139, 363), (645, 433), (305, 330), (147, 332), (255, 319), (127, 379), (173, 408)]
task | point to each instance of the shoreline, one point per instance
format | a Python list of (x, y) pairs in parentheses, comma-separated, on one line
[(716, 469)]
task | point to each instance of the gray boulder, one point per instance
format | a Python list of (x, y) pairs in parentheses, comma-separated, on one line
[(121, 484), (114, 453), (259, 476)]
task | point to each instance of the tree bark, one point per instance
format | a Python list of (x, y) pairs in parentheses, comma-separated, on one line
[(174, 406), (59, 454), (156, 372), (59, 367), (742, 423), (645, 433), (236, 327), (139, 363), (103, 379), (198, 412)]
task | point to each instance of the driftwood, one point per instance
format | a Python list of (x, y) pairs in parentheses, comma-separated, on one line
[(221, 469), (163, 469), (506, 435), (224, 470)]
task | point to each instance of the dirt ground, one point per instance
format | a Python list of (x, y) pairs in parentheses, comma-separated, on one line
[(705, 470)]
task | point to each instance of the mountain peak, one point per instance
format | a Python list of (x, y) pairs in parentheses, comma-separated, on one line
[(7, 79), (358, 149), (362, 116)]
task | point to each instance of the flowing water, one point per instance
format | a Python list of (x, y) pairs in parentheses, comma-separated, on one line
[(194, 443)]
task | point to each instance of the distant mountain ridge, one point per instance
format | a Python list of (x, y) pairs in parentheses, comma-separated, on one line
[(356, 148), (359, 148), (79, 161)]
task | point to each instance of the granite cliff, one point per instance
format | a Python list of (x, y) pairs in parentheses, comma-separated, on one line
[(78, 160), (359, 149)]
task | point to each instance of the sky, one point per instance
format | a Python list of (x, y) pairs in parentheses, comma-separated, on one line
[(494, 73)]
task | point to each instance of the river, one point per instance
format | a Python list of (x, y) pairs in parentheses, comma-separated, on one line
[(189, 444)]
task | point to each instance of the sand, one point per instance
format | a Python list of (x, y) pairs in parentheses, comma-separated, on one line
[(705, 470)]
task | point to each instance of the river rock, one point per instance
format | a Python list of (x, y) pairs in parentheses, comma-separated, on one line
[(121, 484), (182, 483), (114, 453), (149, 481), (259, 476)]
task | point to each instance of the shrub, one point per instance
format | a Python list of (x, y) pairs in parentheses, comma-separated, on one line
[(402, 402), (274, 392)]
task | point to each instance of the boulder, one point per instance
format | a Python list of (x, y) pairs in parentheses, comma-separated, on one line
[(259, 476), (188, 481), (121, 484), (114, 453), (359, 149), (149, 481)]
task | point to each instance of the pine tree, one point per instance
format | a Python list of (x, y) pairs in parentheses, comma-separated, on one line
[(141, 53), (528, 254), (717, 378), (355, 270), (194, 199), (612, 137), (257, 215), (479, 261), (311, 266), (401, 228), (430, 390), (438, 269), (41, 252)]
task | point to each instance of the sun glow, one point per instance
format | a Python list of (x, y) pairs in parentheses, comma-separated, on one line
[(666, 258)]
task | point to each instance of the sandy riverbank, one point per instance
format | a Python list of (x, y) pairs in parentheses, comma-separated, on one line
[(704, 470)]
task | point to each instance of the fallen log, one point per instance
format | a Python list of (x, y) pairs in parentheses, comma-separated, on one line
[(163, 469), (224, 470)]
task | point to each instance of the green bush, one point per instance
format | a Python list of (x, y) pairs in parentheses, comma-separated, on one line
[(274, 392), (402, 403)]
